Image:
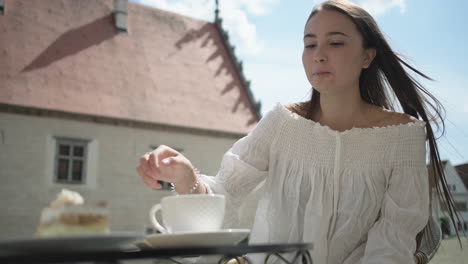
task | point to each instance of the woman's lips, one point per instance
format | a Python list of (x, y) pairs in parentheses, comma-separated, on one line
[(321, 73)]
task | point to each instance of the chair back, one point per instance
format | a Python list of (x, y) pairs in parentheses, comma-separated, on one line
[(429, 243)]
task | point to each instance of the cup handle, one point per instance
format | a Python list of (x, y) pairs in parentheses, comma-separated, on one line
[(153, 219)]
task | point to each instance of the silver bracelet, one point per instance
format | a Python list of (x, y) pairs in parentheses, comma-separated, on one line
[(194, 187)]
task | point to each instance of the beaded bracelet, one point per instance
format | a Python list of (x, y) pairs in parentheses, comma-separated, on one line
[(194, 187)]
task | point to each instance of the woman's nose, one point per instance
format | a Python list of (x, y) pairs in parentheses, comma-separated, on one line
[(320, 58), (319, 55)]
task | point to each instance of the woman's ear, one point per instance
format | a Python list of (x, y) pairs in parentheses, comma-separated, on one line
[(369, 55)]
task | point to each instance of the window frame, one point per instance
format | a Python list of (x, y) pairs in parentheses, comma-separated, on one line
[(460, 206), (72, 143)]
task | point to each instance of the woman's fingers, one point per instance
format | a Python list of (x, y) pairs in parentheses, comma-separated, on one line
[(176, 169), (151, 172), (146, 168), (173, 162), (159, 154), (148, 176), (153, 162), (148, 180), (164, 164), (144, 159)]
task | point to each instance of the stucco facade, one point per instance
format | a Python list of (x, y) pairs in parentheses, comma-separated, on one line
[(27, 151), (460, 197), (67, 72)]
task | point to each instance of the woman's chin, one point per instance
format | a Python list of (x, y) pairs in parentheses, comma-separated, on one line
[(321, 88)]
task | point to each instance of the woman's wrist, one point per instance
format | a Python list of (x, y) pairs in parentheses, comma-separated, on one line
[(195, 186)]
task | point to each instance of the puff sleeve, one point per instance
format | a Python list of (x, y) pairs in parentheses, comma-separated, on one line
[(244, 166), (404, 211)]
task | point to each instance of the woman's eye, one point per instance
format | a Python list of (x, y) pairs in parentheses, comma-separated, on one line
[(337, 43), (310, 46)]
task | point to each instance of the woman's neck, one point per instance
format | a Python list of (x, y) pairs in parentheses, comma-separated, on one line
[(342, 112)]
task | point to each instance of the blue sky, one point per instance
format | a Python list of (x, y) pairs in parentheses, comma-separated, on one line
[(268, 39)]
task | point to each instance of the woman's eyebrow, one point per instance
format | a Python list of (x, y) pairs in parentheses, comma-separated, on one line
[(310, 35)]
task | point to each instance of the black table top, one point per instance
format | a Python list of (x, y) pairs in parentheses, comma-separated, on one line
[(54, 256)]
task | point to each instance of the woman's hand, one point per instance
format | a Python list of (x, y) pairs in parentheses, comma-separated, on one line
[(166, 164)]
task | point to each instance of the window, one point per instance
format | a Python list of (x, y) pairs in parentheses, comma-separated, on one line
[(460, 206), (443, 206), (70, 161), (180, 150), (450, 187), (166, 185), (120, 15)]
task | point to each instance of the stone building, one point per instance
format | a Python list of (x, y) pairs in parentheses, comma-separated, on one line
[(457, 184), (87, 87)]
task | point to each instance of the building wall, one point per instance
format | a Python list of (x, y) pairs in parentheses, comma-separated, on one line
[(459, 194), (27, 151)]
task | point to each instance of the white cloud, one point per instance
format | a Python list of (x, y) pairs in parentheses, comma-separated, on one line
[(257, 7), (377, 7), (242, 31), (235, 15), (201, 9)]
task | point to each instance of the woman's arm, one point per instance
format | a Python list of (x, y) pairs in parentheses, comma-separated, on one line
[(244, 166), (404, 213)]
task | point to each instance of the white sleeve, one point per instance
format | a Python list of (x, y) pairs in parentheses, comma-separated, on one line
[(404, 213), (244, 166)]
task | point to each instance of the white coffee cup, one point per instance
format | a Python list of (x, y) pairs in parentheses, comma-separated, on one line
[(189, 213)]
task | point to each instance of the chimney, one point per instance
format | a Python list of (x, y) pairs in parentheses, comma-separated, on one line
[(120, 15)]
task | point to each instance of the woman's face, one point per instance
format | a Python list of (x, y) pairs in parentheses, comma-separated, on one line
[(333, 55)]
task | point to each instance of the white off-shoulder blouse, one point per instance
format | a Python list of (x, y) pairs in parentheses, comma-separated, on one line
[(360, 196)]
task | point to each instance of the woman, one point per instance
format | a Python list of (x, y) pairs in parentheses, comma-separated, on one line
[(342, 171)]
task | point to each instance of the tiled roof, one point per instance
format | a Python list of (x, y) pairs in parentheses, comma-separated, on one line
[(462, 170), (66, 55), (430, 168)]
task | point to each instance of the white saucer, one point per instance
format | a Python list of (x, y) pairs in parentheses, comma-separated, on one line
[(214, 238)]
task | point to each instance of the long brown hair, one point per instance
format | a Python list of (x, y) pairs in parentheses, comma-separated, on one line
[(384, 76)]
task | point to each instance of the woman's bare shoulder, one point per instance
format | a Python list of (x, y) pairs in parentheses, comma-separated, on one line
[(299, 108), (390, 118)]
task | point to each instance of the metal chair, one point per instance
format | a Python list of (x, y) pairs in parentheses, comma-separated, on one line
[(429, 243)]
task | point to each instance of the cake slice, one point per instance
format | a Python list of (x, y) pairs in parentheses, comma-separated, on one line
[(69, 215)]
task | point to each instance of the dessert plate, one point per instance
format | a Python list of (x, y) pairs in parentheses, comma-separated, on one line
[(111, 241), (214, 238)]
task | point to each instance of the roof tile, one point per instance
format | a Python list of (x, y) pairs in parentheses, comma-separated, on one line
[(168, 68)]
